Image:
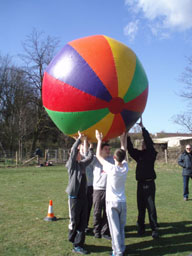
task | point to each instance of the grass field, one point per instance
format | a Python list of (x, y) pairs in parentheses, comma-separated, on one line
[(24, 199)]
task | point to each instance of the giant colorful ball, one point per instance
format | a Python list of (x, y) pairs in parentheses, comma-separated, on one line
[(94, 83)]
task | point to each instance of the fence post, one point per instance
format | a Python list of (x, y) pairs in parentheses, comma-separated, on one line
[(16, 157), (56, 155), (46, 155), (166, 158)]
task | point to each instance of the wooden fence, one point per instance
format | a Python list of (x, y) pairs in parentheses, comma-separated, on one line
[(60, 156)]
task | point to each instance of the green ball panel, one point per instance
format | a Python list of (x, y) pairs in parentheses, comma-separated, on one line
[(138, 84), (68, 123)]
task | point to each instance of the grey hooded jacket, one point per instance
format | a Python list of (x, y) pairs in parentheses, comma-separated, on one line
[(76, 169)]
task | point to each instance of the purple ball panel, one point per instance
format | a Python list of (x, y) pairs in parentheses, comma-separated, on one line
[(68, 66), (130, 117)]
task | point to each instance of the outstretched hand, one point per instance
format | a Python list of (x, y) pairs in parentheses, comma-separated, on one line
[(82, 136), (123, 138), (90, 145), (98, 135), (141, 122)]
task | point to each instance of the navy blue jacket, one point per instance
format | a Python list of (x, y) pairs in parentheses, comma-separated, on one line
[(185, 161)]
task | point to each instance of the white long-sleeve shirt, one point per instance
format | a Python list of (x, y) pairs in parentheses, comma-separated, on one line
[(99, 176), (116, 178)]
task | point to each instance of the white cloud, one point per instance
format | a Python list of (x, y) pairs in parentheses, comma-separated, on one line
[(161, 15), (131, 30)]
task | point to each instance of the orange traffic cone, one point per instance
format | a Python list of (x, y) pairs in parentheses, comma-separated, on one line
[(50, 215)]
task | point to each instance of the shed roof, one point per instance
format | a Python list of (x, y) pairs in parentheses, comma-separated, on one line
[(172, 141)]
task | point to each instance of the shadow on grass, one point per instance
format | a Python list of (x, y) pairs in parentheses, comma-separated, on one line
[(61, 219), (175, 238), (98, 249)]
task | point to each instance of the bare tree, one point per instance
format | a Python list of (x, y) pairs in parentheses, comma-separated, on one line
[(186, 79), (184, 119), (16, 106), (38, 52)]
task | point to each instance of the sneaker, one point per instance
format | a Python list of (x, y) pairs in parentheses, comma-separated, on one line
[(97, 235), (87, 230), (79, 250), (106, 237), (112, 254), (185, 198), (155, 234), (141, 231)]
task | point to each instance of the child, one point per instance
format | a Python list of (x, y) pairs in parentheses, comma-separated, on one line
[(77, 191), (115, 194), (100, 223)]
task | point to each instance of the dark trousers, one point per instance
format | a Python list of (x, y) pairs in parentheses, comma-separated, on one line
[(146, 200), (99, 214), (89, 202), (186, 186), (78, 220)]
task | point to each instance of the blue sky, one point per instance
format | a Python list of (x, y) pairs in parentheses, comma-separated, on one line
[(159, 32)]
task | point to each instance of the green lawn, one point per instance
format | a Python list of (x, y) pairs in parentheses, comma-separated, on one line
[(24, 199)]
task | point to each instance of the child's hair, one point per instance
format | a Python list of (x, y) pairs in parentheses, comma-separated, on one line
[(104, 144), (119, 155)]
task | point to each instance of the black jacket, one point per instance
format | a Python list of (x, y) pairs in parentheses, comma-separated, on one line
[(76, 169), (185, 161), (145, 158)]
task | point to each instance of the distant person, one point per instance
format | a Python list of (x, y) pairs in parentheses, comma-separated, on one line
[(39, 155), (185, 161), (115, 194), (77, 192), (145, 176), (38, 152)]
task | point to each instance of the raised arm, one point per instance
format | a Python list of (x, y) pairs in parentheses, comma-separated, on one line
[(99, 137), (75, 147), (147, 139), (146, 136), (123, 140), (134, 153), (85, 146), (89, 155)]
